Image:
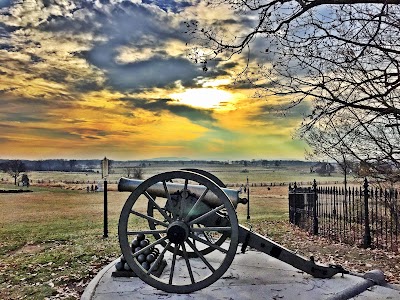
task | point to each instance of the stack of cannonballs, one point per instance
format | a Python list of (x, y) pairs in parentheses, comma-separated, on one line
[(146, 259)]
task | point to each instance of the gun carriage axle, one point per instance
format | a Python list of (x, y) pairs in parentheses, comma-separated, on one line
[(192, 221)]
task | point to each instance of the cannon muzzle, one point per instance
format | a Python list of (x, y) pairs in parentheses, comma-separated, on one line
[(157, 190)]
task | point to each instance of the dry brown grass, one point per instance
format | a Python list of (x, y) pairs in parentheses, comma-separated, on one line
[(51, 241)]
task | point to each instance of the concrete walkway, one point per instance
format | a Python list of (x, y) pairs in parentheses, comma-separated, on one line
[(253, 275)]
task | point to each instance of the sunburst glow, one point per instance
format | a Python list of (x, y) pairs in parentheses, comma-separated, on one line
[(129, 94), (203, 97)]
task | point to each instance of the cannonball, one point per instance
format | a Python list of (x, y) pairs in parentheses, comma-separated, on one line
[(146, 265), (137, 249), (140, 237), (144, 243), (135, 243), (150, 258), (127, 267), (119, 266), (141, 258), (147, 251)]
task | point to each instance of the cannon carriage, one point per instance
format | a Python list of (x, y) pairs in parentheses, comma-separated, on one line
[(189, 216)]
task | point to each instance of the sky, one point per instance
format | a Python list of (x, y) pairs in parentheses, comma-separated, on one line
[(88, 79)]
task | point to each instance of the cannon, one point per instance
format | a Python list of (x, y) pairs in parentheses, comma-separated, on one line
[(189, 216)]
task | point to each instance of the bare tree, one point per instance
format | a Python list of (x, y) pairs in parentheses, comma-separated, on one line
[(354, 136), (342, 56), (138, 172), (135, 172), (343, 52), (128, 171), (331, 141), (14, 168)]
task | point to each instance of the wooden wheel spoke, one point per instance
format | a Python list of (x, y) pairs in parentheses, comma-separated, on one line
[(157, 206), (159, 241), (159, 258), (150, 231), (185, 256), (200, 255), (184, 195), (208, 243), (198, 201), (209, 213), (149, 218), (171, 275), (166, 190)]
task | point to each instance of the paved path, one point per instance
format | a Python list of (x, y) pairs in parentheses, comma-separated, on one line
[(253, 275)]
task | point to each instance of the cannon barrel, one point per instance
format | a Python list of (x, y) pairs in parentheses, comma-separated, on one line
[(157, 190)]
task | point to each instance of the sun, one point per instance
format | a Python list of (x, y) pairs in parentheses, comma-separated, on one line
[(207, 98)]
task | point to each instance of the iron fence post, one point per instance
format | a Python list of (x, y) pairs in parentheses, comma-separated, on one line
[(367, 231), (315, 217)]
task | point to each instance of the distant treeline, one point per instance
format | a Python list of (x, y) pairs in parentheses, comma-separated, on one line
[(63, 165), (245, 163), (93, 165)]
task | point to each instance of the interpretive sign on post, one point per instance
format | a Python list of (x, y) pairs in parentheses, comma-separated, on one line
[(104, 167)]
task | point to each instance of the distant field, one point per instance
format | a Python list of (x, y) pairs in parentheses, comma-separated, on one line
[(234, 173), (51, 239), (229, 174)]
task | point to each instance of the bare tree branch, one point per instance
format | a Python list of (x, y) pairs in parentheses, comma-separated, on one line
[(342, 56)]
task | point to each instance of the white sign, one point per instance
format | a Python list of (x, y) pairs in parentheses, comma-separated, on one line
[(104, 168)]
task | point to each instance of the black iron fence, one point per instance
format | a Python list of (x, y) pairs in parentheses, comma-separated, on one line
[(356, 215)]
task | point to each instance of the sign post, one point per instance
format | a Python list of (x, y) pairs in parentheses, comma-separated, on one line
[(105, 234), (104, 174)]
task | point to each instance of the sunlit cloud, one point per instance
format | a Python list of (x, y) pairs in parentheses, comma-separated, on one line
[(85, 79), (215, 82), (203, 97)]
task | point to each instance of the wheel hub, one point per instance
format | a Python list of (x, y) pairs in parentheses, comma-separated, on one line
[(177, 232)]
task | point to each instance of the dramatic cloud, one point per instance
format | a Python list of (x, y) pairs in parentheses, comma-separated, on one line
[(93, 78)]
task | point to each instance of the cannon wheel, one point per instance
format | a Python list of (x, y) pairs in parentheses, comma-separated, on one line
[(184, 273), (216, 240)]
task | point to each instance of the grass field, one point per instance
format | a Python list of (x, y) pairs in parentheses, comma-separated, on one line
[(51, 240)]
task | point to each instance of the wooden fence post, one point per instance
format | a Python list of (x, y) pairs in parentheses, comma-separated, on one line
[(367, 231)]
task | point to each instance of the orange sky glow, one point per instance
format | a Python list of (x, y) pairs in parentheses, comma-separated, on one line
[(112, 78)]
